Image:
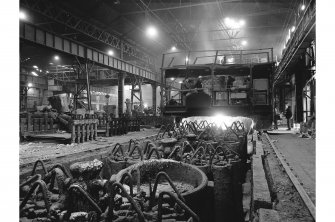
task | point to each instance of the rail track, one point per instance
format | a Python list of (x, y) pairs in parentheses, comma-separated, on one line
[(303, 194)]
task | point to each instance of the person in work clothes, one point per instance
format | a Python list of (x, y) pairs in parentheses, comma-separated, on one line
[(288, 115), (277, 117)]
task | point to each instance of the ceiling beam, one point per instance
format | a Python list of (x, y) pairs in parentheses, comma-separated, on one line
[(180, 7)]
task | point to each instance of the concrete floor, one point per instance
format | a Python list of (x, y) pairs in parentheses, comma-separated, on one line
[(32, 151), (300, 155)]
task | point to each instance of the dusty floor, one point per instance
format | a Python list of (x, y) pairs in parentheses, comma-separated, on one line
[(288, 202), (300, 155), (32, 151)]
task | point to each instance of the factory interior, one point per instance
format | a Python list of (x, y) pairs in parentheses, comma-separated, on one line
[(168, 110)]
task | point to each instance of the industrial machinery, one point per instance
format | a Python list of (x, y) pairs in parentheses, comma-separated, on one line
[(229, 82)]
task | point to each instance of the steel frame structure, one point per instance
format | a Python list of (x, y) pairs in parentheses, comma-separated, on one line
[(50, 10), (178, 32), (39, 36), (304, 27)]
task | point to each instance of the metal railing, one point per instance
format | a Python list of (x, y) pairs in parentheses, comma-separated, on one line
[(222, 57)]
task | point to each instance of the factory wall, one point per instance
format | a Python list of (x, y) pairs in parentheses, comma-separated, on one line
[(37, 92), (98, 101)]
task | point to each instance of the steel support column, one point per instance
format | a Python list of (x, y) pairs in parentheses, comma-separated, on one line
[(154, 98), (88, 88), (120, 93)]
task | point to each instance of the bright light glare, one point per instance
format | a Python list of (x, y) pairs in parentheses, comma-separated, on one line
[(110, 52), (186, 59), (151, 32), (34, 73), (30, 84), (180, 82), (56, 57), (231, 23), (145, 105), (173, 48), (220, 119), (303, 7), (22, 16), (293, 29), (35, 67), (172, 78), (50, 63), (230, 60), (244, 43)]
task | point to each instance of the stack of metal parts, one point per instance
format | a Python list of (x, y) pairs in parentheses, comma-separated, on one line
[(90, 190), (82, 195)]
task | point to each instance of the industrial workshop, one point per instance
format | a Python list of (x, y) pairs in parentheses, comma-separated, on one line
[(167, 110)]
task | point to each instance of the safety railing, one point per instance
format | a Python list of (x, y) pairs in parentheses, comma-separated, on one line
[(219, 57)]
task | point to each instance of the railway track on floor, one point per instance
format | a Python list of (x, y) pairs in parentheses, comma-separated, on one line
[(303, 194)]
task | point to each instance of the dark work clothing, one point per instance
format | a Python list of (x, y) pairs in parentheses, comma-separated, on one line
[(230, 81), (198, 84), (288, 115)]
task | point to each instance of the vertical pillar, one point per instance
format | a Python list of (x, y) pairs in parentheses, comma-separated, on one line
[(88, 88), (299, 84), (154, 99), (120, 93), (162, 85), (121, 51)]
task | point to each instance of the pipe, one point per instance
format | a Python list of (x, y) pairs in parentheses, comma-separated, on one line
[(43, 167), (178, 201), (153, 192), (117, 186), (31, 180), (127, 175), (86, 195), (46, 195)]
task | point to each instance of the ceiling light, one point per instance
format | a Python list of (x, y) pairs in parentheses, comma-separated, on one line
[(110, 52), (35, 67), (30, 84), (34, 73), (244, 43), (172, 78), (50, 63), (293, 29), (302, 8), (22, 15), (180, 82), (151, 32), (41, 70), (173, 48), (231, 23), (47, 71), (56, 57)]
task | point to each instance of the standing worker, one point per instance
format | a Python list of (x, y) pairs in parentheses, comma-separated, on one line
[(277, 117), (288, 115)]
